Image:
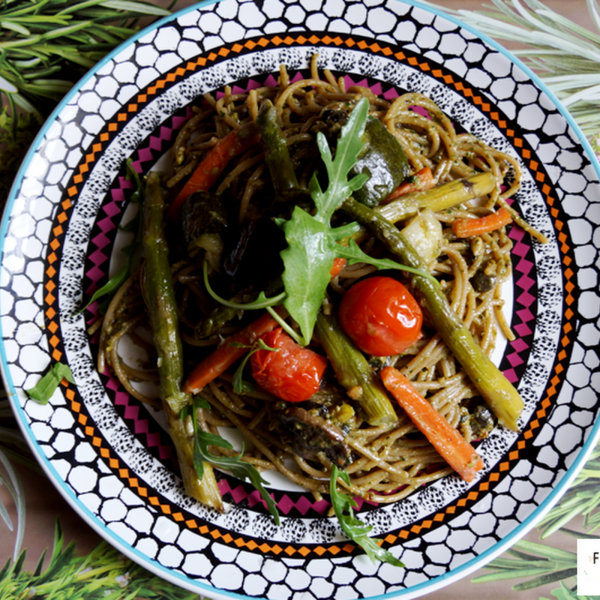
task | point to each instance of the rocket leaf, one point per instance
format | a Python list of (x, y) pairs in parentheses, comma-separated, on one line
[(354, 528)]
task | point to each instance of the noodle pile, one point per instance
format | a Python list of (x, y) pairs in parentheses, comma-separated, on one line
[(388, 462)]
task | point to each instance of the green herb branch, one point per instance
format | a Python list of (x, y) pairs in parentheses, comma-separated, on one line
[(46, 46), (565, 55), (543, 564), (355, 529), (540, 563), (103, 574), (234, 464)]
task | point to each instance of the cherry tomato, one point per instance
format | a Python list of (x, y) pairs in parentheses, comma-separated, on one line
[(292, 373), (381, 316)]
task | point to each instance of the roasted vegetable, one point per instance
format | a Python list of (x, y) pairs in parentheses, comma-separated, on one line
[(448, 442), (285, 369), (439, 198), (214, 163), (202, 213), (463, 228), (277, 157), (231, 350), (424, 233), (354, 373), (383, 160), (381, 316), (159, 296), (311, 435)]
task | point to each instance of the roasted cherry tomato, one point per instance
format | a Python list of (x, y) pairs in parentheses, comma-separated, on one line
[(291, 373), (381, 316)]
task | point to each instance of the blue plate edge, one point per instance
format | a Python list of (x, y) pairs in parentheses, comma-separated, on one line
[(185, 581)]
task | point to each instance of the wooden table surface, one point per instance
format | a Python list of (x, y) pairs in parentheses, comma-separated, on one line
[(45, 504)]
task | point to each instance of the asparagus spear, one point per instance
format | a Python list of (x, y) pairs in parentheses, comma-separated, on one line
[(354, 372), (439, 198), (499, 393), (277, 157), (159, 296)]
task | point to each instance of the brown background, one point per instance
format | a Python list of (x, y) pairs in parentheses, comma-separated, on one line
[(45, 504)]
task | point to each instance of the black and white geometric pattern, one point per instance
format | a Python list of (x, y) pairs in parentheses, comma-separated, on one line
[(110, 456)]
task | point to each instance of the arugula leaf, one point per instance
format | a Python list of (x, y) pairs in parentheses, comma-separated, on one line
[(233, 464), (348, 148), (354, 528), (308, 260), (312, 243), (46, 386), (239, 385)]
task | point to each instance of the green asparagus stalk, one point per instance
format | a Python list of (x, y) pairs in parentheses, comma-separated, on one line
[(502, 398), (353, 372), (440, 197), (159, 296), (277, 157)]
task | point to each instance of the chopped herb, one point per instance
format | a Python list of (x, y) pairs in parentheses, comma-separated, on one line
[(46, 386)]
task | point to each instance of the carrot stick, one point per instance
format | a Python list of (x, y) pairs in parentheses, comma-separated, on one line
[(468, 227), (421, 181), (448, 442), (226, 354), (208, 171)]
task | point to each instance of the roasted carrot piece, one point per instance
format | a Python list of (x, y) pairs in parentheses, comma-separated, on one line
[(468, 227), (338, 265), (226, 354), (207, 172), (421, 181), (448, 442)]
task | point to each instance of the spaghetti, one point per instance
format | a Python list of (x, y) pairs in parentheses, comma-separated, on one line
[(385, 462)]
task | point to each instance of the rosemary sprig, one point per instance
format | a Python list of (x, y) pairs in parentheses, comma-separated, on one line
[(565, 55), (46, 46), (542, 564), (545, 564), (582, 498), (103, 574)]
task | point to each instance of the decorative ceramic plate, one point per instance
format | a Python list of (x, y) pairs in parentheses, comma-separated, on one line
[(109, 455)]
